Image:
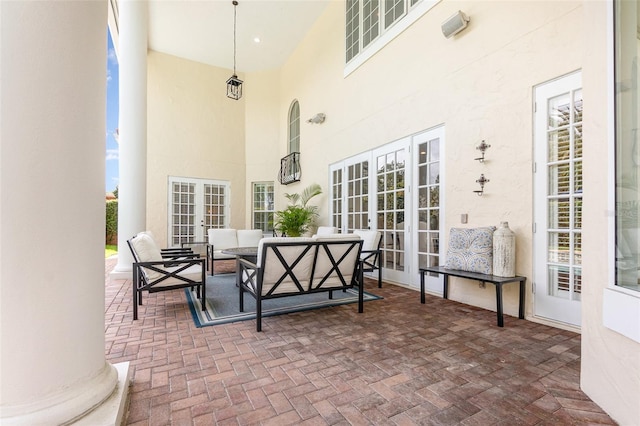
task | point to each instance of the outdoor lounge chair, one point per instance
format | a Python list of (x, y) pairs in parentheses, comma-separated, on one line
[(155, 270)]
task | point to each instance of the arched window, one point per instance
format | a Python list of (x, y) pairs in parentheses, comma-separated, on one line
[(294, 127)]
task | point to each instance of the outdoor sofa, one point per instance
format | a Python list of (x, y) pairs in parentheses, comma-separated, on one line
[(294, 266)]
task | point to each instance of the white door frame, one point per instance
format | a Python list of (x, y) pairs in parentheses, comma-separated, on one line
[(560, 301), (396, 242), (433, 283)]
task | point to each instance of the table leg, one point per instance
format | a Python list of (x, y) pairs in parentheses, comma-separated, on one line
[(445, 291), (522, 296), (499, 303), (422, 287)]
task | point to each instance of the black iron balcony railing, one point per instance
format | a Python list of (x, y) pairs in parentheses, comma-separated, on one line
[(290, 168)]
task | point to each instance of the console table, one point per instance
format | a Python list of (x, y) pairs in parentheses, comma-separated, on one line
[(483, 278)]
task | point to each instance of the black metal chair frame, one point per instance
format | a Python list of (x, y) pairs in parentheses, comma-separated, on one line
[(249, 273), (182, 258), (371, 261)]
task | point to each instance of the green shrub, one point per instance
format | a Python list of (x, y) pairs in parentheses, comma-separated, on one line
[(111, 232)]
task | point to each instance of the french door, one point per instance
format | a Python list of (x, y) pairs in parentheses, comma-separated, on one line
[(427, 199), (391, 207), (558, 200), (373, 190), (194, 206)]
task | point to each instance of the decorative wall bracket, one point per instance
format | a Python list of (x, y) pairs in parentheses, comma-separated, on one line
[(482, 148), (481, 181)]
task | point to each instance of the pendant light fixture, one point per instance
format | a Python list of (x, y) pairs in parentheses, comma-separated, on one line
[(234, 84)]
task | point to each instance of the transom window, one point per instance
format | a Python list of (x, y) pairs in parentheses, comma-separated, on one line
[(370, 24)]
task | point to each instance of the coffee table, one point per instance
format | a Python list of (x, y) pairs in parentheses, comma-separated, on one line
[(249, 253)]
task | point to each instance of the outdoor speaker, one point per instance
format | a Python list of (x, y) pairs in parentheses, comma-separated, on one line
[(455, 24)]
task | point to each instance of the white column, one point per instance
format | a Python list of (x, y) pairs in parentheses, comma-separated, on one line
[(52, 211), (132, 124)]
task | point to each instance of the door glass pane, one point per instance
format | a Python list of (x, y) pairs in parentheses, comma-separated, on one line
[(357, 196), (391, 183), (564, 199), (183, 197)]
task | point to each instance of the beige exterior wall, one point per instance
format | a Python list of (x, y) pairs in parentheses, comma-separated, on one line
[(263, 134), (194, 131), (478, 84), (610, 370)]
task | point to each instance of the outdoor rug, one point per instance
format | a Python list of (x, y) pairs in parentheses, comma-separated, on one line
[(222, 302)]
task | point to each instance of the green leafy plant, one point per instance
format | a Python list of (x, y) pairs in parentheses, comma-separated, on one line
[(296, 219), (111, 231)]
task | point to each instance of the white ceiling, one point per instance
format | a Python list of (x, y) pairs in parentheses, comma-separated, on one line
[(202, 31)]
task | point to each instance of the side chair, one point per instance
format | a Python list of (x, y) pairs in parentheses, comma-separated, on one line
[(155, 270)]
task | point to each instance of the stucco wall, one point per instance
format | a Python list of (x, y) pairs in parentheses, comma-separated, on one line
[(194, 131), (610, 372), (263, 137), (478, 84)]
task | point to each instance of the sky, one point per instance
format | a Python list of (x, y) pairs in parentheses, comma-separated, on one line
[(112, 153)]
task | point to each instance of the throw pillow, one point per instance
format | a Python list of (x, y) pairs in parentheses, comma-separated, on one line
[(471, 249)]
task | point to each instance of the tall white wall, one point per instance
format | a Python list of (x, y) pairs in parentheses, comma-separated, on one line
[(263, 136), (478, 84), (195, 131), (52, 214)]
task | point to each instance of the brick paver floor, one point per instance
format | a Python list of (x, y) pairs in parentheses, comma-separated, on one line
[(398, 363)]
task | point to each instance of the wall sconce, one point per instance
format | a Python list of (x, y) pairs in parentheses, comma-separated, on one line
[(456, 23), (317, 119), (482, 147), (481, 181)]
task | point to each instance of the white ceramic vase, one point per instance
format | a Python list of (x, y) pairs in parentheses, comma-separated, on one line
[(504, 251)]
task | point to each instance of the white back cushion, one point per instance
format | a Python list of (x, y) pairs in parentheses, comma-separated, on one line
[(337, 237), (274, 269), (326, 230), (222, 239), (146, 249), (338, 247), (370, 238), (249, 237)]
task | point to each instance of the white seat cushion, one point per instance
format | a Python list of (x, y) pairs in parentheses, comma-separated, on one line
[(193, 272)]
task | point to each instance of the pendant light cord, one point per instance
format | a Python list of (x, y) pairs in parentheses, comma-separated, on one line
[(235, 10)]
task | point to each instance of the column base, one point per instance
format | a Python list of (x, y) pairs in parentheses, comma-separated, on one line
[(111, 412), (121, 272), (108, 390)]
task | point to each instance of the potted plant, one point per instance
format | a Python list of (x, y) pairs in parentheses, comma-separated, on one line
[(296, 219)]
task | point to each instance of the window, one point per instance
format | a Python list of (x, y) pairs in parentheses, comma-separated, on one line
[(627, 153), (370, 21), (263, 206), (394, 9), (352, 29), (294, 127), (371, 24)]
